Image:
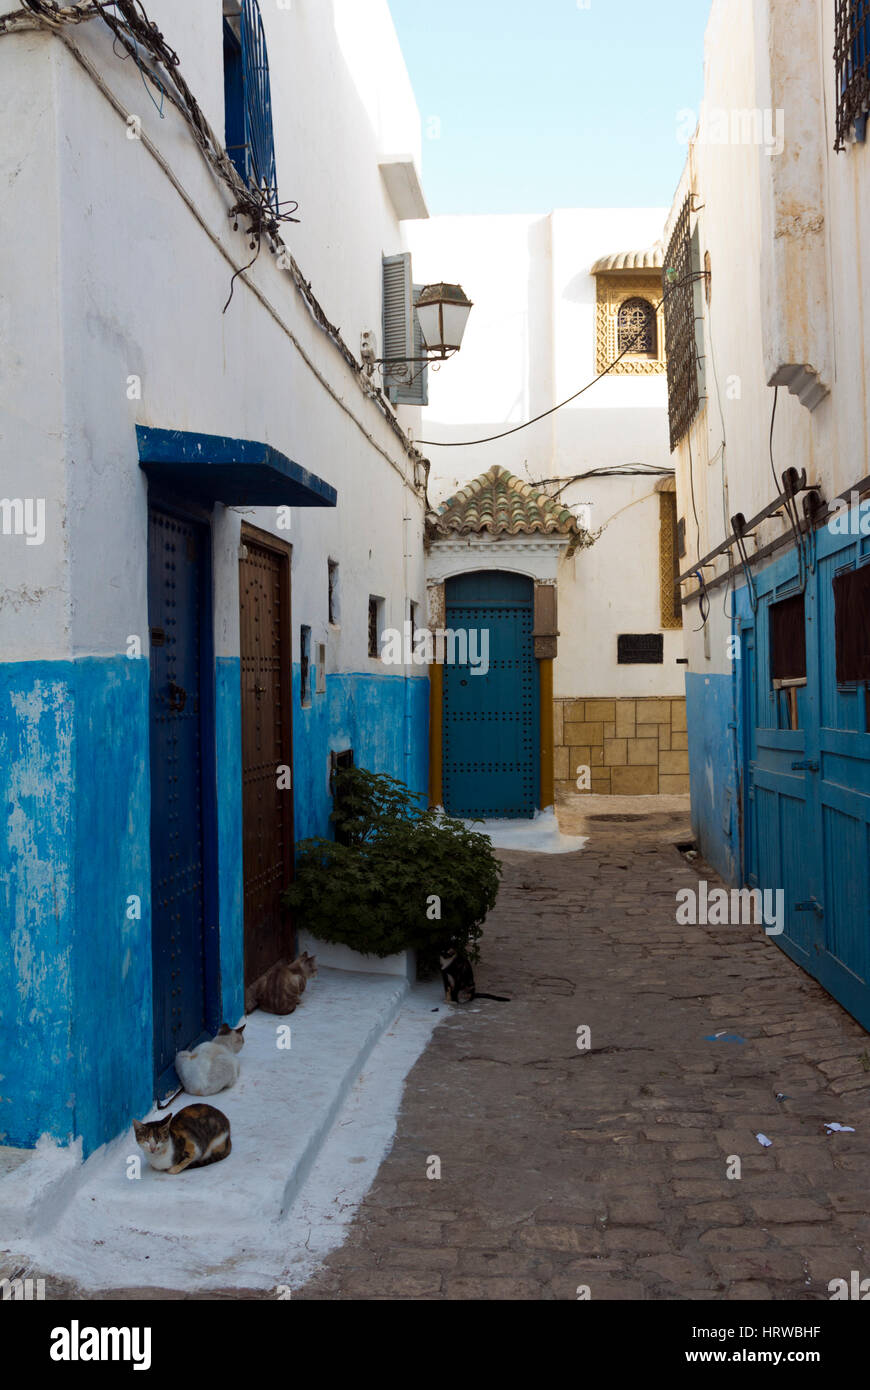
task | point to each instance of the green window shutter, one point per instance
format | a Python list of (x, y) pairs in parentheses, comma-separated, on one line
[(405, 381), (416, 390), (398, 325)]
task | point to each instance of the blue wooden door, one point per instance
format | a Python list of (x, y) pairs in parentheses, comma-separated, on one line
[(807, 788), (841, 779), (780, 818), (491, 719), (178, 607)]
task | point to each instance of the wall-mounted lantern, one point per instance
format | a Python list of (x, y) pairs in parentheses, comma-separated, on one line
[(443, 313)]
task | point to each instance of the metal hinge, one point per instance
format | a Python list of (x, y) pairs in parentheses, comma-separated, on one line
[(808, 765), (811, 905)]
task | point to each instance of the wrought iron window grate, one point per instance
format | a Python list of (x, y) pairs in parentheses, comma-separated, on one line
[(636, 327), (248, 95), (852, 59), (680, 346)]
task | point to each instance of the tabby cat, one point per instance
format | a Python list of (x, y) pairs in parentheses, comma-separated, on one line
[(280, 989), (196, 1136), (213, 1066), (458, 977)]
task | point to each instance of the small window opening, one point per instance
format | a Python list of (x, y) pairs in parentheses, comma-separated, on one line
[(320, 669), (305, 665), (852, 634), (375, 612), (788, 658), (334, 607)]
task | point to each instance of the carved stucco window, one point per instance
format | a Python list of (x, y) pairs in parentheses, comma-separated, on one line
[(636, 328), (627, 309)]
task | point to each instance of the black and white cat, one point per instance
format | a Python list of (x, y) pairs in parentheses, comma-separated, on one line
[(458, 977)]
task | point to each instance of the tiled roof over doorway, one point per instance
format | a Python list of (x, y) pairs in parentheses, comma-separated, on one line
[(502, 504)]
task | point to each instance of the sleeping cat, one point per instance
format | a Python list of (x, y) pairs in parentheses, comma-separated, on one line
[(197, 1136), (212, 1066), (280, 989), (458, 977)]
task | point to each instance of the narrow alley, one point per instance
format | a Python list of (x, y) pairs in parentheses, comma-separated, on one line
[(607, 1168)]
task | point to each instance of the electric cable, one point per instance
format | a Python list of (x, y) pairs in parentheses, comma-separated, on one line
[(469, 443)]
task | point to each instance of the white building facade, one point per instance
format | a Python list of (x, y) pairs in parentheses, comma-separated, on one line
[(208, 502), (769, 340), (557, 300)]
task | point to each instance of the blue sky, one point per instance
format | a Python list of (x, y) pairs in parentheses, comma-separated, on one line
[(546, 103)]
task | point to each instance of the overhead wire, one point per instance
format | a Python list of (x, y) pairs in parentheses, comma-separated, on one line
[(490, 439)]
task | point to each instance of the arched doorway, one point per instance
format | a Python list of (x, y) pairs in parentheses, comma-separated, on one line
[(491, 705)]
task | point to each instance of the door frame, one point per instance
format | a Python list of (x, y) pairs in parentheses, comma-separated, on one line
[(200, 517), (539, 712), (284, 550)]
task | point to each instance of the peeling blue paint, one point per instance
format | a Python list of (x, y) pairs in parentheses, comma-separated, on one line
[(75, 973), (385, 724), (75, 893), (111, 1025), (713, 771)]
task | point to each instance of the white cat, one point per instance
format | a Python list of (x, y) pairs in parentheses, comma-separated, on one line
[(213, 1066)]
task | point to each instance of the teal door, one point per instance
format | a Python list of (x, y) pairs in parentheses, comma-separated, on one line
[(807, 779), (491, 702)]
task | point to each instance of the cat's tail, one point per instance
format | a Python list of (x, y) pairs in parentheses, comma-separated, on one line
[(499, 998), (174, 1096)]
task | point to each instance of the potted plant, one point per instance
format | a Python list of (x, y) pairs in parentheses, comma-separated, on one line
[(397, 877)]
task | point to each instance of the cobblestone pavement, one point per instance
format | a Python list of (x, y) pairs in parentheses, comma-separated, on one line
[(607, 1167)]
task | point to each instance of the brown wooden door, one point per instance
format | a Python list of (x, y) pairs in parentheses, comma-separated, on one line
[(264, 597)]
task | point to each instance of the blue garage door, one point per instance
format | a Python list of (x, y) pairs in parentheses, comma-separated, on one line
[(807, 782), (491, 719)]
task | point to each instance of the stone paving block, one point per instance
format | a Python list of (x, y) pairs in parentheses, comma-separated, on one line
[(625, 719), (653, 711), (635, 781), (788, 1209), (586, 732), (475, 1288), (643, 752), (541, 1142)]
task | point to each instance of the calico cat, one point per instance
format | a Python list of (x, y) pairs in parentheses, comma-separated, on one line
[(213, 1066), (280, 989), (458, 977), (196, 1136)]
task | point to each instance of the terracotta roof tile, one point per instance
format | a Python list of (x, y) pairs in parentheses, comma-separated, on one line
[(502, 504)]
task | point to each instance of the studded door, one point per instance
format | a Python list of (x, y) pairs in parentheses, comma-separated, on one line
[(177, 604), (267, 794), (491, 714)]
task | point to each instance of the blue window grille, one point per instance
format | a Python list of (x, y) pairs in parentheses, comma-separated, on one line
[(852, 58), (248, 101)]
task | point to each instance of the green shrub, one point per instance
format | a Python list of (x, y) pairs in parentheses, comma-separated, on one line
[(372, 888)]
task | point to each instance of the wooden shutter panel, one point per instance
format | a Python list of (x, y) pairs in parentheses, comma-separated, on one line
[(416, 391), (398, 323)]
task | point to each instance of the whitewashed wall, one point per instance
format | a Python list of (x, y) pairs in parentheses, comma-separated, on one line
[(127, 283), (813, 203), (530, 343)]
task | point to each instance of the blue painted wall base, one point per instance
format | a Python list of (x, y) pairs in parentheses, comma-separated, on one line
[(75, 957), (713, 772), (75, 866)]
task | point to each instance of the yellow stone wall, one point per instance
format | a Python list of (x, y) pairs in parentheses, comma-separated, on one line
[(633, 747)]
